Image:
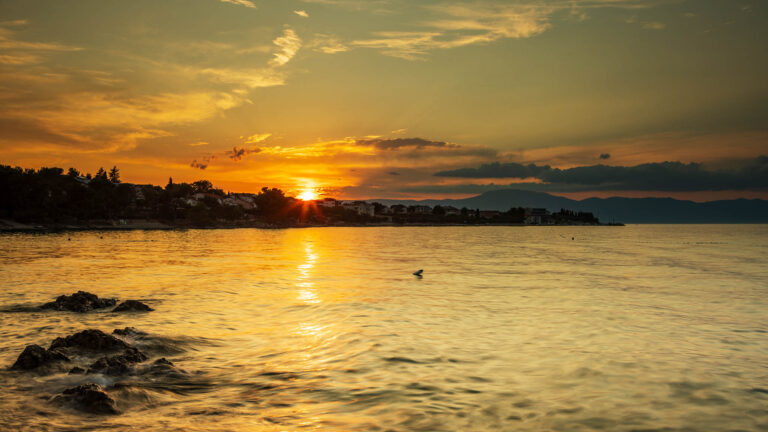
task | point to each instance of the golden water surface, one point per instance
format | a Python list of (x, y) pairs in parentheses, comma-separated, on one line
[(511, 328)]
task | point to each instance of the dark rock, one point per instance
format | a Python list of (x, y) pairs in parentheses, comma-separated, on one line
[(35, 356), (130, 332), (162, 362), (90, 398), (77, 370), (120, 364), (94, 340), (80, 301), (132, 306)]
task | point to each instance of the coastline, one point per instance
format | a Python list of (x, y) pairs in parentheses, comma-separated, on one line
[(7, 226)]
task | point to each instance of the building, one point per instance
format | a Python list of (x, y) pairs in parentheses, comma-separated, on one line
[(327, 202), (489, 214), (537, 216), (420, 209), (451, 211), (361, 207)]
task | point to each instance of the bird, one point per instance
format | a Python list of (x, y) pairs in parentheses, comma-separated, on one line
[(418, 273)]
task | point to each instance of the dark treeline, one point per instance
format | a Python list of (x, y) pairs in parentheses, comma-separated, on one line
[(50, 197)]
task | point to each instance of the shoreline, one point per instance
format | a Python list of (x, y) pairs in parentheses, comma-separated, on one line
[(16, 227)]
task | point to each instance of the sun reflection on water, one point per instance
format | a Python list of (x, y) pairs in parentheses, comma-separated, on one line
[(307, 294)]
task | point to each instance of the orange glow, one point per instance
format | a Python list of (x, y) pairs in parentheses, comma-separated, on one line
[(308, 195)]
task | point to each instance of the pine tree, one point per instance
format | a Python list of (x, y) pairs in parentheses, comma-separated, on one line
[(114, 175)]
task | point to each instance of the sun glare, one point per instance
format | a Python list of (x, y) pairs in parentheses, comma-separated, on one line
[(308, 195)]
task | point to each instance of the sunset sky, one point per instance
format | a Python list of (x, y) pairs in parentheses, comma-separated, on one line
[(394, 98)]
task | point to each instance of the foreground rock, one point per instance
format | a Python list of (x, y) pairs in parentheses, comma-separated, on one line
[(35, 356), (120, 364), (130, 332), (91, 340), (80, 301), (132, 306), (90, 398)]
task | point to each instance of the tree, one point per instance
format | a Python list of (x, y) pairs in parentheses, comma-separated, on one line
[(114, 175), (438, 211), (170, 183), (202, 186), (73, 172), (101, 174)]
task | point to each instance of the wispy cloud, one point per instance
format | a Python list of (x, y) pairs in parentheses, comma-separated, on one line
[(301, 13), (246, 3), (257, 138), (461, 24), (327, 44), (288, 44)]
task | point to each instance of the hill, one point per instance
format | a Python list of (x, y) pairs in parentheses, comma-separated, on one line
[(626, 210)]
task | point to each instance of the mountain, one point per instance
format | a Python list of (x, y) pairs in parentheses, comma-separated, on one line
[(626, 210)]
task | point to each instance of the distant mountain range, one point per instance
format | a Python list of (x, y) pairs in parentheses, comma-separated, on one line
[(625, 210)]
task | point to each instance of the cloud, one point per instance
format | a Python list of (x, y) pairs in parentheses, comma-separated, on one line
[(605, 156), (203, 163), (257, 138), (654, 25), (663, 176), (248, 78), (482, 22), (19, 59), (327, 44), (288, 44), (236, 154), (246, 3), (301, 13), (397, 143), (198, 144)]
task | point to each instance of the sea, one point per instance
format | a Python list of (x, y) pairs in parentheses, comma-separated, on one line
[(548, 328)]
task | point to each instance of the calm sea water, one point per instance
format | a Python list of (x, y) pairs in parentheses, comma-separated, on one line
[(511, 328)]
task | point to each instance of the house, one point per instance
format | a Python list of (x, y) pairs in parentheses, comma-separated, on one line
[(420, 209), (451, 211), (327, 202), (398, 209), (537, 216), (489, 214), (361, 207)]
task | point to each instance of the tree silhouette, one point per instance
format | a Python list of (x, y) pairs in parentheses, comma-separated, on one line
[(114, 175)]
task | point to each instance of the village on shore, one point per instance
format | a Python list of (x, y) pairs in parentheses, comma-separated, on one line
[(48, 198)]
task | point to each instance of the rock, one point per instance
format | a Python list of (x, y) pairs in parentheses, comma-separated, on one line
[(80, 301), (130, 332), (94, 340), (132, 306), (90, 398), (77, 370), (162, 362), (35, 356), (120, 364)]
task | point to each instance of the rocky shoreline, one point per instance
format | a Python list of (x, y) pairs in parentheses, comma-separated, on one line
[(126, 356)]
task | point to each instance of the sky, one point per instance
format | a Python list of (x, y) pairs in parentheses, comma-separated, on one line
[(394, 98)]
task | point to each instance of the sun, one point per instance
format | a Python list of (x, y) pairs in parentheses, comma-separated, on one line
[(307, 195)]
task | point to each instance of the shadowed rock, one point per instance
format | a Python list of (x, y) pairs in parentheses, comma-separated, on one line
[(80, 301), (130, 332), (93, 340), (120, 364), (90, 398), (132, 306), (35, 356)]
